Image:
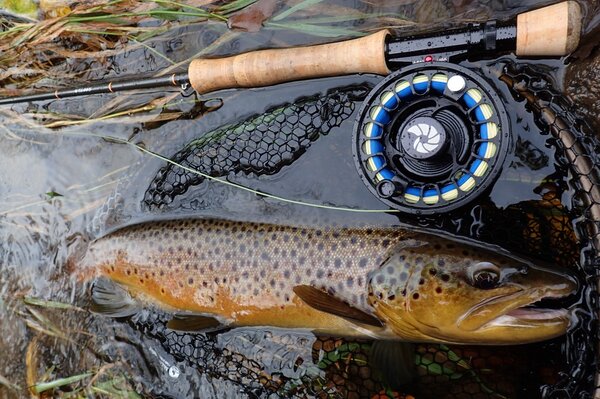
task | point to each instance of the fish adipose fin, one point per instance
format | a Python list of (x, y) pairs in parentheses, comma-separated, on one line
[(395, 361), (196, 323), (328, 303), (110, 299)]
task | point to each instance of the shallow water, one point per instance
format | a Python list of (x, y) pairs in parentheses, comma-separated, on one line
[(54, 181)]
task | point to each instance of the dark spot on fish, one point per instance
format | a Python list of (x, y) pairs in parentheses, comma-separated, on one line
[(391, 297), (187, 267), (272, 283), (308, 271), (350, 282), (403, 276), (432, 271), (293, 253), (390, 270), (320, 273), (445, 277), (242, 248), (263, 273), (419, 260), (204, 284), (274, 237), (337, 263), (393, 281), (180, 284), (141, 281), (162, 291), (415, 295), (403, 293), (265, 256), (302, 260), (353, 240), (135, 270), (438, 290), (286, 237), (421, 281), (286, 274), (245, 275), (379, 279), (112, 268), (255, 292), (298, 279), (286, 297), (363, 262), (190, 281)]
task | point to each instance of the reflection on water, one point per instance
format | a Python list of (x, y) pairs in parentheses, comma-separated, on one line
[(59, 187)]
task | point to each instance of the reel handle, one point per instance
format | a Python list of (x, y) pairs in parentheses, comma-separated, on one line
[(268, 67), (548, 31)]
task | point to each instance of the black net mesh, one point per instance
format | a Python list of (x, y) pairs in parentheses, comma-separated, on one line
[(577, 149), (262, 144), (550, 229)]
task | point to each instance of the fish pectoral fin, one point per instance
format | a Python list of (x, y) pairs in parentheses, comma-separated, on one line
[(111, 299), (328, 303), (395, 361), (196, 323)]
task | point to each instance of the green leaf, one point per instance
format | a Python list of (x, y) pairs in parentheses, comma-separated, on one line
[(53, 194)]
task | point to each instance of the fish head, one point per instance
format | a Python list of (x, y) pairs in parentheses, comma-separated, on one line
[(436, 290)]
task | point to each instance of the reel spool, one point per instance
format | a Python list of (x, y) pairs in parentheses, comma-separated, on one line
[(430, 138)]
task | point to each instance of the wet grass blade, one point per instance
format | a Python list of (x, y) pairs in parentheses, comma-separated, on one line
[(316, 30), (235, 6), (300, 6), (50, 304), (5, 382), (45, 386)]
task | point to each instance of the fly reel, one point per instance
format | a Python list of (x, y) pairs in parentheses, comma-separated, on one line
[(430, 138)]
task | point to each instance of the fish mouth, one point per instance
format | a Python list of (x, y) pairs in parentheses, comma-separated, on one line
[(550, 309)]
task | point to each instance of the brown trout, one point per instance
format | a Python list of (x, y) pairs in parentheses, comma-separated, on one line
[(380, 283)]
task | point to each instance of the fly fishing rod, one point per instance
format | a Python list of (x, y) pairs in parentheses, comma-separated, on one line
[(550, 31)]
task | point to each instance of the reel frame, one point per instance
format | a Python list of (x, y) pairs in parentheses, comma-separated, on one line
[(378, 154)]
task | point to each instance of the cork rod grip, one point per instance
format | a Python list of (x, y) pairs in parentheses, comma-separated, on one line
[(268, 67), (549, 31)]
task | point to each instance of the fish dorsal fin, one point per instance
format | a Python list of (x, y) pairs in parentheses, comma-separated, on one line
[(111, 299), (328, 303), (196, 323)]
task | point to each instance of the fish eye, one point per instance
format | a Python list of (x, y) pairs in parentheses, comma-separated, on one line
[(484, 275)]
